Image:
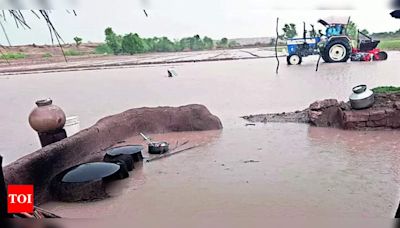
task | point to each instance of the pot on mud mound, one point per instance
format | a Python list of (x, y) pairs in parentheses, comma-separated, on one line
[(362, 97), (46, 117)]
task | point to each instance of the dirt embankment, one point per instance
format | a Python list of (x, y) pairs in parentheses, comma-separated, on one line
[(44, 53), (294, 117), (46, 58), (384, 114)]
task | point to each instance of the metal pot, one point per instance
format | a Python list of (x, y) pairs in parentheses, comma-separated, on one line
[(158, 147), (362, 97), (46, 117)]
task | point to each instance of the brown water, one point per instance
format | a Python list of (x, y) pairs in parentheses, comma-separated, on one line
[(296, 170)]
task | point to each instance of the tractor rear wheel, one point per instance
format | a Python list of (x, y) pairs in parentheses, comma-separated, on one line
[(337, 50), (294, 59)]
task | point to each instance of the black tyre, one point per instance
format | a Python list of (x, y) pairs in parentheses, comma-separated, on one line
[(294, 59), (336, 50)]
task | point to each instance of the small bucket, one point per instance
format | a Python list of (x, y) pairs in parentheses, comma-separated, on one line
[(72, 125)]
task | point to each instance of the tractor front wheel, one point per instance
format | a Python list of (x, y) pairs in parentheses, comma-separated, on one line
[(293, 59), (337, 50)]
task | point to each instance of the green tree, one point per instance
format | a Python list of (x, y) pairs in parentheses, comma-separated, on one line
[(233, 44), (149, 44), (289, 30), (223, 43), (132, 44), (78, 41), (113, 40), (352, 30), (165, 45), (197, 44), (208, 43), (186, 43)]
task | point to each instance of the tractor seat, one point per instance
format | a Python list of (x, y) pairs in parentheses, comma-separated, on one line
[(368, 45)]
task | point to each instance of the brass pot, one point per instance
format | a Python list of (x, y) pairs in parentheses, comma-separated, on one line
[(46, 117)]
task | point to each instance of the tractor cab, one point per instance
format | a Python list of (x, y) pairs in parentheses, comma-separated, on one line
[(335, 45), (334, 27)]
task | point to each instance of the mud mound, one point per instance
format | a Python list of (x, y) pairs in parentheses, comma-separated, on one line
[(88, 145), (384, 114)]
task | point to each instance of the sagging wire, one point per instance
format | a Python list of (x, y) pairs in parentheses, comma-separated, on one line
[(73, 11), (34, 13), (4, 31), (8, 40), (53, 30), (19, 18), (276, 45), (20, 21)]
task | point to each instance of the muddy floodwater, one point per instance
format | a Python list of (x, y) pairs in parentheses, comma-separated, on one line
[(267, 170)]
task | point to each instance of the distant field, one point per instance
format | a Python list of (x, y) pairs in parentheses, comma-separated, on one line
[(390, 44)]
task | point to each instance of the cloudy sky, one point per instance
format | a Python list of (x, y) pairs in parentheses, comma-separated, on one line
[(179, 18)]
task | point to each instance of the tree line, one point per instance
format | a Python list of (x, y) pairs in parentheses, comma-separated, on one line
[(387, 35), (132, 43)]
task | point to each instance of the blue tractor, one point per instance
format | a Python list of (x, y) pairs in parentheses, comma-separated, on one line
[(333, 46)]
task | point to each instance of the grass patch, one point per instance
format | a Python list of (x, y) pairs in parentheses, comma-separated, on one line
[(386, 89), (72, 53), (103, 49), (47, 55), (393, 44), (12, 55)]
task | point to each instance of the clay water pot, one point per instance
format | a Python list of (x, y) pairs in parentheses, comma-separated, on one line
[(46, 117)]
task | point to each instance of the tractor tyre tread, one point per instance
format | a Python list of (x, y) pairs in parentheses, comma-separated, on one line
[(288, 59), (344, 42)]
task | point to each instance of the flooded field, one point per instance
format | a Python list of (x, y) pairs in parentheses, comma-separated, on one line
[(267, 170)]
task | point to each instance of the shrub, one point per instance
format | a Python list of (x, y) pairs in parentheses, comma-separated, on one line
[(13, 55), (103, 49), (47, 55), (386, 89), (72, 53)]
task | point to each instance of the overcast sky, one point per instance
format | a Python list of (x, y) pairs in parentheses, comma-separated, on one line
[(180, 18)]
